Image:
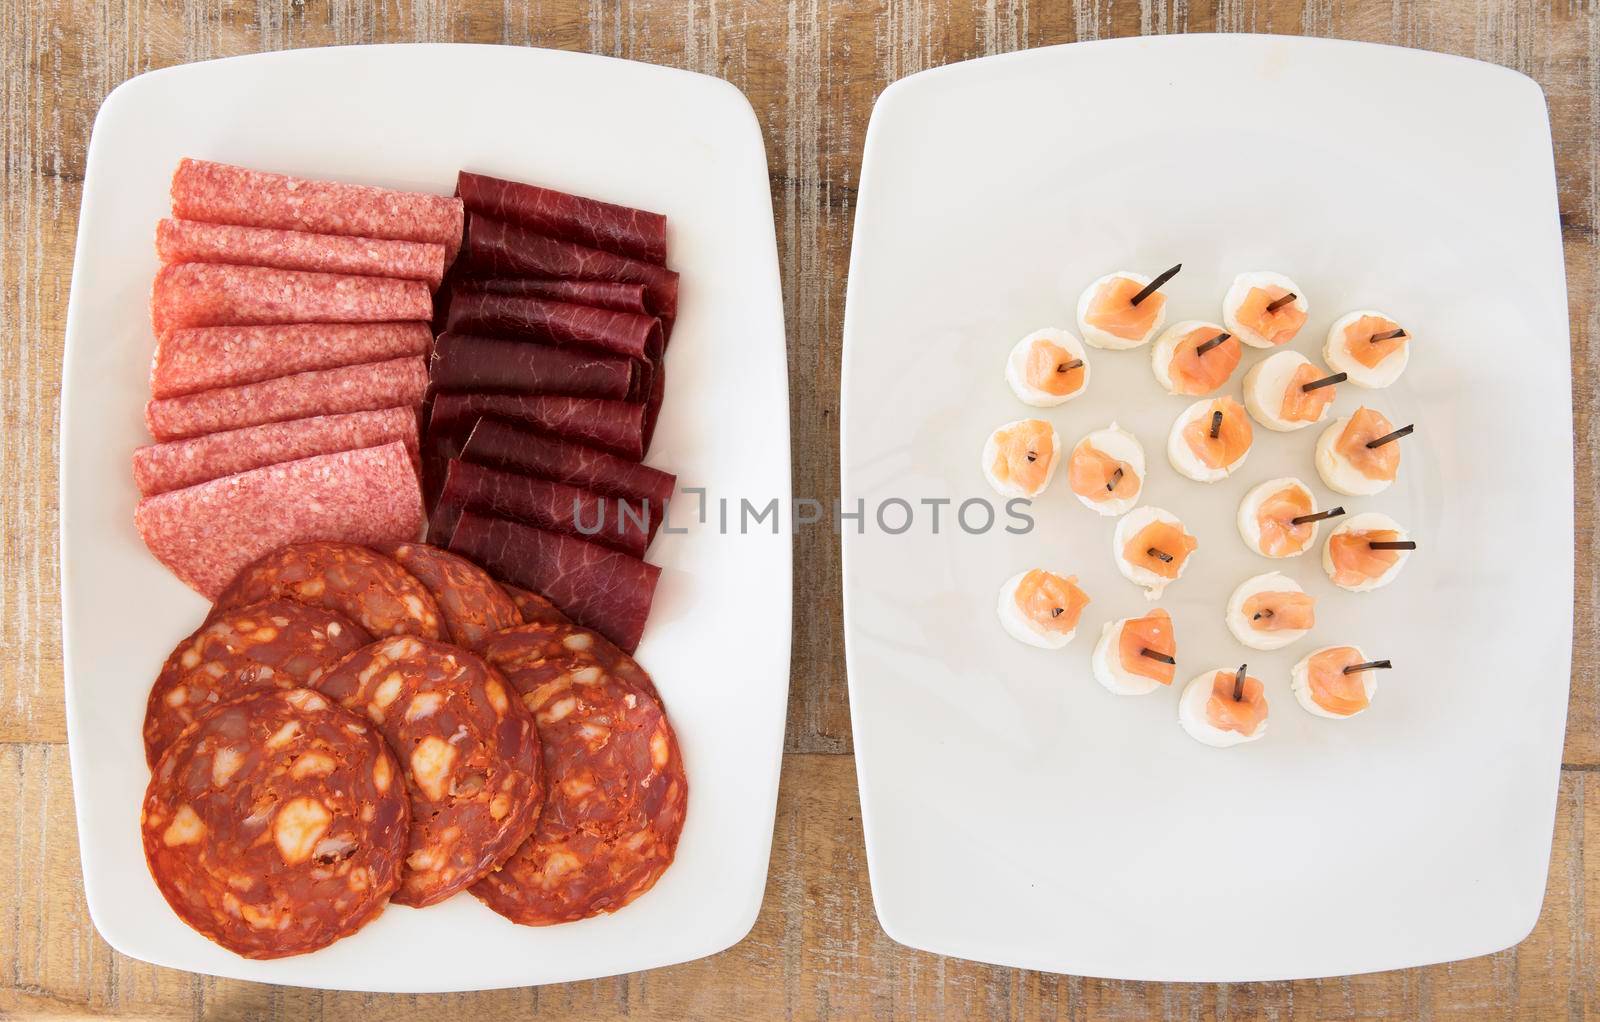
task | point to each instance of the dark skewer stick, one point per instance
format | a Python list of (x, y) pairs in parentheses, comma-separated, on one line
[(1387, 335), (1278, 303), (1332, 512), (1160, 555), (1388, 438), (1398, 544), (1370, 665), (1326, 381), (1208, 345), (1216, 424), (1155, 285), (1067, 367), (1116, 477), (1032, 456), (1160, 658), (1238, 684), (1261, 614), (1057, 611)]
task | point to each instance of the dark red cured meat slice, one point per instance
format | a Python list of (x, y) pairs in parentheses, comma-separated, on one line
[(636, 233), (618, 790), (596, 587), (192, 241), (495, 248), (158, 468), (653, 398), (206, 534), (503, 445), (365, 586), (602, 294), (216, 294), (535, 609), (276, 824), (277, 644), (204, 358), (465, 362), (616, 426), (468, 750), (471, 603), (473, 310), (611, 521), (395, 383), (224, 194)]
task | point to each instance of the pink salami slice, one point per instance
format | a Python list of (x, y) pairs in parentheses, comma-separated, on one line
[(221, 193), (616, 426), (467, 362), (613, 521), (158, 468), (205, 534), (495, 248), (217, 294), (193, 241), (593, 585), (396, 383), (636, 233), (204, 358)]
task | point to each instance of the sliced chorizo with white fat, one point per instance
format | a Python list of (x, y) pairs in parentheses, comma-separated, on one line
[(472, 605), (276, 824), (468, 750), (365, 586), (617, 788), (277, 644)]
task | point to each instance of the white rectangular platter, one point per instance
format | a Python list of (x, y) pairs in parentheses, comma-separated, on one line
[(1017, 813), (718, 640)]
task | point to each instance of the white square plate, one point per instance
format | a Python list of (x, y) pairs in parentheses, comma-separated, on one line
[(1015, 812), (718, 640)]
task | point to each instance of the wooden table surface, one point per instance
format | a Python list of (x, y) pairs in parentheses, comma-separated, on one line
[(812, 70)]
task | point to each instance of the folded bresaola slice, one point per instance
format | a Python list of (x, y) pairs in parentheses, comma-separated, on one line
[(602, 294), (503, 445), (506, 250), (464, 362), (616, 426), (595, 586), (475, 311), (636, 233), (615, 522)]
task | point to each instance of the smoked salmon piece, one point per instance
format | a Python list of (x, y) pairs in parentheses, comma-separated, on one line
[(1333, 689), (1359, 343), (1047, 369), (1281, 612), (1024, 454), (1197, 374), (1278, 326), (1354, 560), (1051, 602), (1113, 311), (1365, 426), (1163, 538), (1233, 437), (1152, 632), (1244, 714), (1306, 405), (1280, 537), (1092, 474)]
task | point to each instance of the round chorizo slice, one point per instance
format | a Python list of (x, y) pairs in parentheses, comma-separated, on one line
[(617, 789), (535, 609), (471, 603), (365, 586), (276, 824), (277, 644), (468, 750)]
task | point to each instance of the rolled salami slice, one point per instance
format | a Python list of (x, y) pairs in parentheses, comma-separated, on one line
[(276, 644), (616, 426), (595, 586), (535, 609), (467, 748), (158, 468), (502, 445), (205, 534), (193, 241), (466, 362), (204, 358), (612, 521), (473, 310), (472, 605), (618, 790), (398, 382), (495, 248), (276, 824), (221, 193), (635, 233), (365, 586), (216, 294)]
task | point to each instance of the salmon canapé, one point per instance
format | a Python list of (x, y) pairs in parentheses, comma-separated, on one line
[(1331, 687), (1301, 405), (1097, 477), (1281, 611), (1196, 373), (1160, 548), (1024, 455), (1152, 632), (1280, 536), (1050, 603), (1276, 326), (1359, 343), (1112, 309), (1354, 560), (1052, 369), (1244, 714), (1365, 426), (1233, 434)]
